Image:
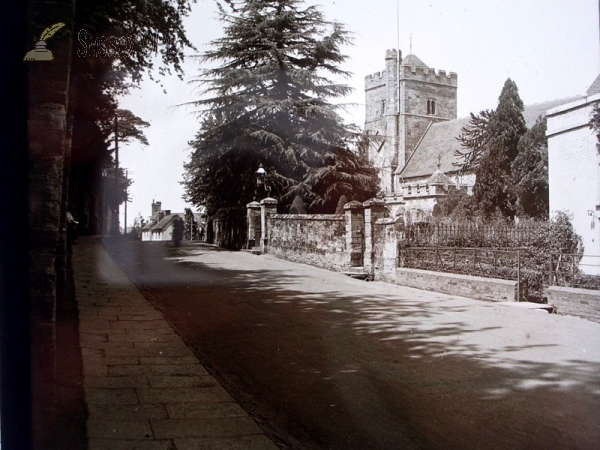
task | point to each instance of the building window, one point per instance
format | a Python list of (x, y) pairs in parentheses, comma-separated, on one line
[(382, 112), (431, 107)]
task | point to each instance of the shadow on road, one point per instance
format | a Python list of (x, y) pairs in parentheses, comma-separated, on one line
[(325, 361)]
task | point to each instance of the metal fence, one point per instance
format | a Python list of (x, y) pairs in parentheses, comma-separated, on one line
[(572, 270), (469, 234), (476, 261)]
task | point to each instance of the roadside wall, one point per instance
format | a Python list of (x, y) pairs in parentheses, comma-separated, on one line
[(583, 303), (333, 242), (315, 239), (491, 289)]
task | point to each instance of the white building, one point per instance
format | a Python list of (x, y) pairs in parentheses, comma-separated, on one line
[(574, 171)]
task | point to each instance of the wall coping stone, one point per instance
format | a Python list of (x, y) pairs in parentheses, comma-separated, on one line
[(353, 205), (333, 217), (253, 205), (268, 201), (389, 220), (459, 276), (578, 291), (374, 202)]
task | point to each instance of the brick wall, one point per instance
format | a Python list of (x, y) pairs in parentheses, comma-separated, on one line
[(575, 302), (479, 288), (315, 239)]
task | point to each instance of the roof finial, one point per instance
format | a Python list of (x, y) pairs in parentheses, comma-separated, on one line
[(439, 160), (410, 38)]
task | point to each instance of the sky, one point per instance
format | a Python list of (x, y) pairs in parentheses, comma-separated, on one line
[(550, 48)]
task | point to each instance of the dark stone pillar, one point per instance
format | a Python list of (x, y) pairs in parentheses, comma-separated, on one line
[(374, 209), (355, 224), (253, 221), (268, 206)]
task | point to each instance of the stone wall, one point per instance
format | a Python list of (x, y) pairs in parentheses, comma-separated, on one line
[(315, 239), (337, 242), (583, 303)]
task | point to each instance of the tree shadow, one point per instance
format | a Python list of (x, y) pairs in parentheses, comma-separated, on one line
[(358, 337)]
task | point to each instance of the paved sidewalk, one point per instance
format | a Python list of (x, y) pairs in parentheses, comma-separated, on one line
[(144, 388)]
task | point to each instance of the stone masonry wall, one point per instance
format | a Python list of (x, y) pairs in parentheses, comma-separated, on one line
[(315, 239), (417, 85), (575, 302)]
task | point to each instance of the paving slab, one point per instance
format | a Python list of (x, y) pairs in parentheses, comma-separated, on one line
[(144, 388)]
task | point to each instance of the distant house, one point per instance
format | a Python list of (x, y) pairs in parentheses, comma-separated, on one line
[(160, 225), (574, 171)]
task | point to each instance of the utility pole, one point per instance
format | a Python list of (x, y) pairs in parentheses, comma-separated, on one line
[(117, 175)]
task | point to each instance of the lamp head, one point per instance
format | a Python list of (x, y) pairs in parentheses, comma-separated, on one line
[(260, 175)]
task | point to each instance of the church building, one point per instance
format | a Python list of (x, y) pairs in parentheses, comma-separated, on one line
[(411, 114)]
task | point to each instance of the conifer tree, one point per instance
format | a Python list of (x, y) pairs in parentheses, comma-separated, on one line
[(491, 141), (530, 173), (269, 101)]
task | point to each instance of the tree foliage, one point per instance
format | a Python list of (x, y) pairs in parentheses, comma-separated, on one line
[(298, 206), (99, 75), (457, 205), (490, 144), (529, 171), (473, 139), (269, 101)]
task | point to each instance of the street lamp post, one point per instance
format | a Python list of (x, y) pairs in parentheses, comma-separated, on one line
[(104, 172), (116, 218), (261, 180)]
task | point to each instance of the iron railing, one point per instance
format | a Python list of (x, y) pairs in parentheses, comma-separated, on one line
[(573, 270), (476, 261)]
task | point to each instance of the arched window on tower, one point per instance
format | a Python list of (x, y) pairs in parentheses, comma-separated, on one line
[(431, 107), (382, 112)]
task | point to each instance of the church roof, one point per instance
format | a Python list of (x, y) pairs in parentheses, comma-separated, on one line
[(413, 61), (440, 142), (595, 87)]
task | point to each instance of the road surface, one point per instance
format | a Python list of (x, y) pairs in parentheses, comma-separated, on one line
[(324, 361)]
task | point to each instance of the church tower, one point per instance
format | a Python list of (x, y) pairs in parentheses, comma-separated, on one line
[(401, 103)]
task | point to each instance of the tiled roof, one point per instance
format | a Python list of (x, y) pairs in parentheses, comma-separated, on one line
[(165, 221), (595, 87), (413, 61), (440, 141)]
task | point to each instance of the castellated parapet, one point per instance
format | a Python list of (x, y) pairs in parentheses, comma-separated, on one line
[(428, 75), (380, 79), (375, 80)]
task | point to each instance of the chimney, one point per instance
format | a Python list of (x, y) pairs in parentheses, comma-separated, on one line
[(155, 207), (167, 212)]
